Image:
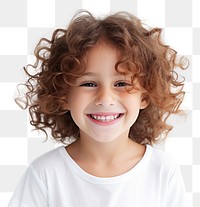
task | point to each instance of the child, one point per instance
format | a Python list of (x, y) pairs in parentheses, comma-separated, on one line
[(105, 88)]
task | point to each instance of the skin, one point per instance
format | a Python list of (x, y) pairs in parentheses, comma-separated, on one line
[(101, 92)]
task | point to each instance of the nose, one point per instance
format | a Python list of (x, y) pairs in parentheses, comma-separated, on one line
[(105, 97)]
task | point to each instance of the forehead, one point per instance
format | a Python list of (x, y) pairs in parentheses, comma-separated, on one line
[(103, 58), (102, 51)]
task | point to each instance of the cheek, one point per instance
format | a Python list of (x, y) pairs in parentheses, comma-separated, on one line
[(77, 102), (132, 102)]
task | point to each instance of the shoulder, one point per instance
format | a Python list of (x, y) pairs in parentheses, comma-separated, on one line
[(162, 161), (48, 161)]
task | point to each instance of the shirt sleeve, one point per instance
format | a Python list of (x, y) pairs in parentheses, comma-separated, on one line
[(30, 191), (175, 195)]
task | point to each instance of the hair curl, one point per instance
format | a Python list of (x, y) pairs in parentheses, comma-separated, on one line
[(60, 60)]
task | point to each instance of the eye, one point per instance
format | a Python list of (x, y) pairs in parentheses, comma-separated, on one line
[(122, 84), (88, 84)]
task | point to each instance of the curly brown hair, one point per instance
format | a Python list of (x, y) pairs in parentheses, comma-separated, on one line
[(60, 60)]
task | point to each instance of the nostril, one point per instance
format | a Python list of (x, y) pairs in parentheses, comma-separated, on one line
[(105, 100), (104, 104)]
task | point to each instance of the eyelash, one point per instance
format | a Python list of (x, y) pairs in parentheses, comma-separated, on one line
[(90, 84), (123, 84)]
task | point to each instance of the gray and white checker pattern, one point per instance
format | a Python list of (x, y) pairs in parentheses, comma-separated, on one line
[(23, 23)]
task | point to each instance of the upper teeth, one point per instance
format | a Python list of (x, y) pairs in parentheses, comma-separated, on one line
[(105, 118)]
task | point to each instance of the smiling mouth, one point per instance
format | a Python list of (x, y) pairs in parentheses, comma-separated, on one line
[(105, 118)]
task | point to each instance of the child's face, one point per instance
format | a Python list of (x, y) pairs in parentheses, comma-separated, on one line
[(99, 103)]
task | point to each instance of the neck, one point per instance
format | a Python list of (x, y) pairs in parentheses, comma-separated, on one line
[(108, 158), (103, 152)]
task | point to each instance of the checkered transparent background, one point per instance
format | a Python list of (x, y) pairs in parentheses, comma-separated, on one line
[(24, 22)]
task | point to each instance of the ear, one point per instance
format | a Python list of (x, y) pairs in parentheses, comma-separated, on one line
[(144, 103), (66, 106)]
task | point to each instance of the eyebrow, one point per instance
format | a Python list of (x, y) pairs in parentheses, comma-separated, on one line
[(90, 74)]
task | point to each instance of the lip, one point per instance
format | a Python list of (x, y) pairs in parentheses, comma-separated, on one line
[(105, 114)]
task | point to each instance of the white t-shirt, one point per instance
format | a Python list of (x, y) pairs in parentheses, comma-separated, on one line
[(55, 180)]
